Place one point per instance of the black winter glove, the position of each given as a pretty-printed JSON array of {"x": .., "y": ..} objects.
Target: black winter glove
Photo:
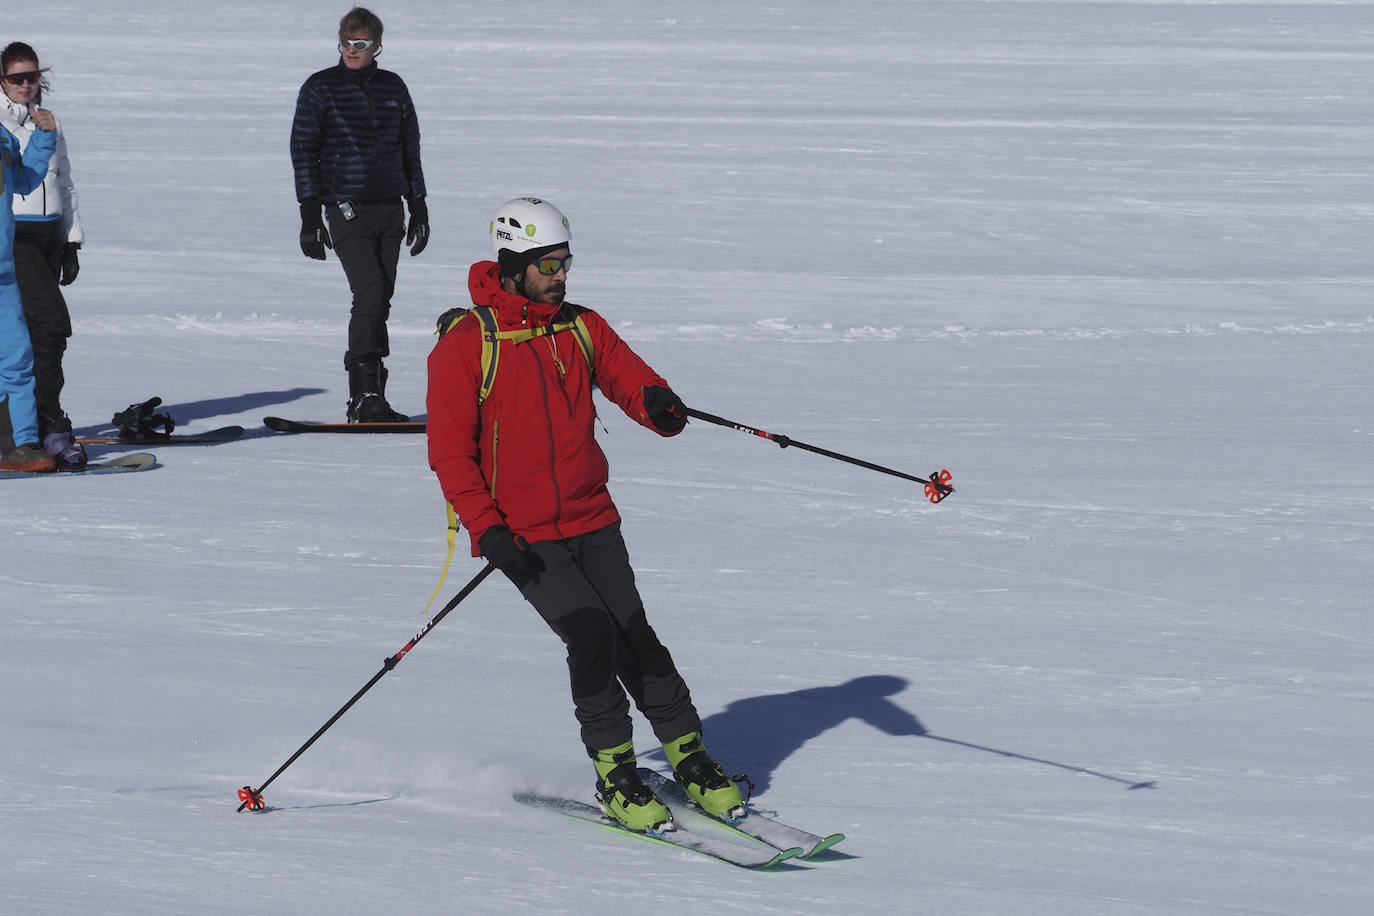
[
  {"x": 314, "y": 237},
  {"x": 71, "y": 264},
  {"x": 666, "y": 410},
  {"x": 511, "y": 554},
  {"x": 417, "y": 233}
]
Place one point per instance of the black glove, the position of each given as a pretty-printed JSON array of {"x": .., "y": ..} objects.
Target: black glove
[
  {"x": 417, "y": 233},
  {"x": 666, "y": 410},
  {"x": 314, "y": 237},
  {"x": 511, "y": 554},
  {"x": 71, "y": 264}
]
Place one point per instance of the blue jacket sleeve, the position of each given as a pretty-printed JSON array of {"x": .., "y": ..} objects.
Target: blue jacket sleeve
[{"x": 34, "y": 164}]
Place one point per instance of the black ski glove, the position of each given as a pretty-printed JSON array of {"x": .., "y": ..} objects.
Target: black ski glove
[
  {"x": 314, "y": 237},
  {"x": 511, "y": 554},
  {"x": 666, "y": 410},
  {"x": 417, "y": 233},
  {"x": 71, "y": 264}
]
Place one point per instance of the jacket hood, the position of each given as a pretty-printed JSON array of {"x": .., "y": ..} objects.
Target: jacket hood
[{"x": 484, "y": 283}]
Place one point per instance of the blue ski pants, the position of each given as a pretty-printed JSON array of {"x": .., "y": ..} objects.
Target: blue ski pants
[{"x": 16, "y": 362}]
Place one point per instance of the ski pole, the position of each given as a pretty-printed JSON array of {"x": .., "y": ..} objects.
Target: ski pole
[
  {"x": 252, "y": 798},
  {"x": 937, "y": 485}
]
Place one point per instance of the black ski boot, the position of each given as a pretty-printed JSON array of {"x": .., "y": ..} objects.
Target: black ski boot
[{"x": 367, "y": 395}]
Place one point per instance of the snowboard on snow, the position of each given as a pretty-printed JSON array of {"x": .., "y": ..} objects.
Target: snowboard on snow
[
  {"x": 124, "y": 464},
  {"x": 298, "y": 426}
]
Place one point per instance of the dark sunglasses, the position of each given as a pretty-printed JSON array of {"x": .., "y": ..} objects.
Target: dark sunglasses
[
  {"x": 29, "y": 76},
  {"x": 358, "y": 44},
  {"x": 550, "y": 266}
]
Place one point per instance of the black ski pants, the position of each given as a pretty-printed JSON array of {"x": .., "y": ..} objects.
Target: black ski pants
[
  {"x": 587, "y": 595},
  {"x": 37, "y": 268},
  {"x": 369, "y": 247}
]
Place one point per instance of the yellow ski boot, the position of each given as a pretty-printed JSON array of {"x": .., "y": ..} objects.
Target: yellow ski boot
[
  {"x": 624, "y": 796},
  {"x": 703, "y": 779}
]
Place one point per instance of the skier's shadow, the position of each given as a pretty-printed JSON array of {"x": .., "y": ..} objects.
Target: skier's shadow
[{"x": 762, "y": 732}]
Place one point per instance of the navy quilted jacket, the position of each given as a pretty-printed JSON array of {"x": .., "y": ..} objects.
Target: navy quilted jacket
[{"x": 356, "y": 138}]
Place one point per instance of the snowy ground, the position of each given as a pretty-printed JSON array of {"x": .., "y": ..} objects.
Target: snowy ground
[{"x": 1107, "y": 262}]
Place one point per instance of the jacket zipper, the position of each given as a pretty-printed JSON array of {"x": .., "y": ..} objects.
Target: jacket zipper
[
  {"x": 495, "y": 439},
  {"x": 553, "y": 459}
]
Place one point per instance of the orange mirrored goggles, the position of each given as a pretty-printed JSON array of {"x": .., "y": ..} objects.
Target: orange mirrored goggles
[{"x": 550, "y": 266}]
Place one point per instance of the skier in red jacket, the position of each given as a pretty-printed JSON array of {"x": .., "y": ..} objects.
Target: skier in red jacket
[{"x": 512, "y": 440}]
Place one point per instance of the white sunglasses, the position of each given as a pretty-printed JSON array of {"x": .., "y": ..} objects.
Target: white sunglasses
[{"x": 358, "y": 44}]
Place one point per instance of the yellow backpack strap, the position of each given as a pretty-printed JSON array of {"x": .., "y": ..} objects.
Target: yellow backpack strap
[
  {"x": 493, "y": 335},
  {"x": 570, "y": 319},
  {"x": 490, "y": 335},
  {"x": 452, "y": 543},
  {"x": 490, "y": 351},
  {"x": 584, "y": 341},
  {"x": 446, "y": 323}
]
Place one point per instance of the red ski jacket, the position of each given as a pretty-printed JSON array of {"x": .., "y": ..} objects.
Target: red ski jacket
[{"x": 528, "y": 457}]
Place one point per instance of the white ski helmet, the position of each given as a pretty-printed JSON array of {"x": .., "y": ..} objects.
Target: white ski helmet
[{"x": 526, "y": 223}]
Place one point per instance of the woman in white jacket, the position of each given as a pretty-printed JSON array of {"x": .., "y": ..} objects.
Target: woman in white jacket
[{"x": 46, "y": 241}]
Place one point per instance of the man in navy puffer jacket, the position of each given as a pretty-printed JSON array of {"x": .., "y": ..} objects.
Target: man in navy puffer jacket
[{"x": 355, "y": 147}]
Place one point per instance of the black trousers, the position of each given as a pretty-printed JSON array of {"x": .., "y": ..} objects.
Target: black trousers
[
  {"x": 37, "y": 268},
  {"x": 587, "y": 595},
  {"x": 369, "y": 247}
]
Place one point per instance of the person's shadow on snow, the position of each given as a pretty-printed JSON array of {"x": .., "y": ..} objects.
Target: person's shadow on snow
[
  {"x": 762, "y": 732},
  {"x": 186, "y": 412}
]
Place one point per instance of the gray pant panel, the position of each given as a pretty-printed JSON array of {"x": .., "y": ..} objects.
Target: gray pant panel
[{"x": 587, "y": 595}]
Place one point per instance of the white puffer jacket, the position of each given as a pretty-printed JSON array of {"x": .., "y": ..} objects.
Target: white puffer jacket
[{"x": 57, "y": 197}]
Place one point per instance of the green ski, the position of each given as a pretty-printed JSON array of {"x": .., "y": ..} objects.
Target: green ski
[
  {"x": 753, "y": 825},
  {"x": 714, "y": 847}
]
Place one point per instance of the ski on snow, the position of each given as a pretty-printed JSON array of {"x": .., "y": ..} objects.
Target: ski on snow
[
  {"x": 296, "y": 426},
  {"x": 754, "y": 825},
  {"x": 717, "y": 848},
  {"x": 124, "y": 464}
]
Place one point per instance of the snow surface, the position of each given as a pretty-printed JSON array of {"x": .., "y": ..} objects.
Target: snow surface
[{"x": 1109, "y": 263}]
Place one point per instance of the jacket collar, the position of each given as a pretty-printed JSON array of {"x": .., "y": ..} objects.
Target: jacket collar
[
  {"x": 484, "y": 283},
  {"x": 13, "y": 111},
  {"x": 366, "y": 73}
]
